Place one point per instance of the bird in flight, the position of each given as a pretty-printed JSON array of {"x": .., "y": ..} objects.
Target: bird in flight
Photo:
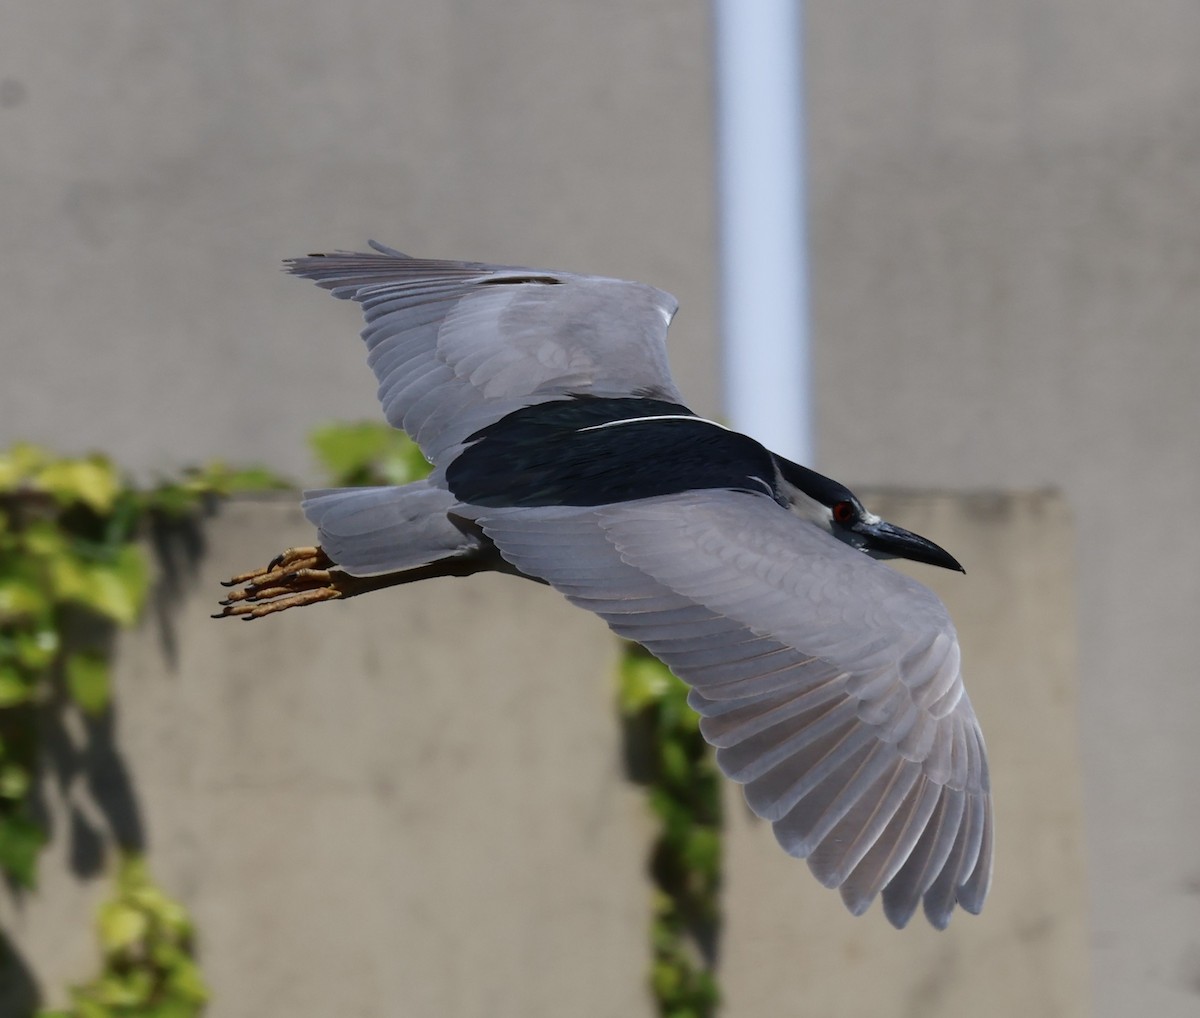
[{"x": 829, "y": 684}]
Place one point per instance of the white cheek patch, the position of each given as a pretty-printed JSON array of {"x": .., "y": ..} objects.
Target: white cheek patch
[{"x": 808, "y": 508}]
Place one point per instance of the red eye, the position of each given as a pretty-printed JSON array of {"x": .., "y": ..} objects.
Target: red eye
[{"x": 843, "y": 513}]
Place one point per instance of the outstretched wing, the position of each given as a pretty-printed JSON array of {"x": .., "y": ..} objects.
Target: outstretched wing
[
  {"x": 828, "y": 682},
  {"x": 457, "y": 345}
]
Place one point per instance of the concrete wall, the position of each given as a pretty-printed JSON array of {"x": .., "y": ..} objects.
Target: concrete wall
[
  {"x": 1006, "y": 292},
  {"x": 160, "y": 158},
  {"x": 414, "y": 803},
  {"x": 1004, "y": 201}
]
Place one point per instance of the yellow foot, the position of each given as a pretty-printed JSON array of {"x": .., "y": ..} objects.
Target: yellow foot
[
  {"x": 298, "y": 577},
  {"x": 285, "y": 562}
]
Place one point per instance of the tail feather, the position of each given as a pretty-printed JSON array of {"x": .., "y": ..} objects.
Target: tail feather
[{"x": 371, "y": 531}]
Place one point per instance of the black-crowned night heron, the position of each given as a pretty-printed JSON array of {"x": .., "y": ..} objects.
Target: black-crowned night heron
[{"x": 829, "y": 684}]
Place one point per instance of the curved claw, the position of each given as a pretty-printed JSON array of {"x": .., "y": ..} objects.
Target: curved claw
[
  {"x": 292, "y": 559},
  {"x": 294, "y": 578},
  {"x": 254, "y": 609}
]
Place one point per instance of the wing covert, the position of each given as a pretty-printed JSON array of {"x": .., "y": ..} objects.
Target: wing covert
[{"x": 457, "y": 345}]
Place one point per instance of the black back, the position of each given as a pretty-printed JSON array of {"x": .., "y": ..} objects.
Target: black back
[{"x": 541, "y": 455}]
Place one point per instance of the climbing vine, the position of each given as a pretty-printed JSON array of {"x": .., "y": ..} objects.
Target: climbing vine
[
  {"x": 366, "y": 453},
  {"x": 73, "y": 566},
  {"x": 685, "y": 794},
  {"x": 149, "y": 969}
]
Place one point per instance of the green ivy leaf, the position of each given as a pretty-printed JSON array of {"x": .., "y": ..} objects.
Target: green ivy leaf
[
  {"x": 345, "y": 449},
  {"x": 129, "y": 989},
  {"x": 21, "y": 597},
  {"x": 174, "y": 1009},
  {"x": 175, "y": 500},
  {"x": 167, "y": 914},
  {"x": 93, "y": 481},
  {"x": 666, "y": 979},
  {"x": 35, "y": 649},
  {"x": 186, "y": 982},
  {"x": 367, "y": 452},
  {"x": 673, "y": 814},
  {"x": 14, "y": 780},
  {"x": 702, "y": 851},
  {"x": 85, "y": 1008},
  {"x": 87, "y": 681},
  {"x": 20, "y": 841},
  {"x": 674, "y": 762},
  {"x": 114, "y": 589},
  {"x": 109, "y": 595},
  {"x": 44, "y": 538},
  {"x": 133, "y": 574},
  {"x": 121, "y": 926},
  {"x": 18, "y": 464},
  {"x": 247, "y": 479},
  {"x": 15, "y": 686},
  {"x": 641, "y": 681},
  {"x": 69, "y": 578}
]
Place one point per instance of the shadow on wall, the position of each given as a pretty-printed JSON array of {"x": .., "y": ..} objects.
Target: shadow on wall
[
  {"x": 80, "y": 765},
  {"x": 19, "y": 995}
]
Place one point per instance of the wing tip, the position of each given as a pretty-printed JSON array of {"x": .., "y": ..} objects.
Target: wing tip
[
  {"x": 899, "y": 910},
  {"x": 317, "y": 263},
  {"x": 383, "y": 249},
  {"x": 855, "y": 901}
]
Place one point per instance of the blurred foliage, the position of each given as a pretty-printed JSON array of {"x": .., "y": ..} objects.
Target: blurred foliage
[
  {"x": 69, "y": 554},
  {"x": 367, "y": 453},
  {"x": 73, "y": 566},
  {"x": 685, "y": 795},
  {"x": 72, "y": 555},
  {"x": 148, "y": 966}
]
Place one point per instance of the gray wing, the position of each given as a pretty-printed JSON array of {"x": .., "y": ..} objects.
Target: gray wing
[
  {"x": 828, "y": 682},
  {"x": 457, "y": 345}
]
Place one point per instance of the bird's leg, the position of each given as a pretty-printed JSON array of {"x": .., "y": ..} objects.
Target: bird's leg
[
  {"x": 297, "y": 577},
  {"x": 301, "y": 576}
]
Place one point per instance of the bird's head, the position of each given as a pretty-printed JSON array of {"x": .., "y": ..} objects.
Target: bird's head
[{"x": 835, "y": 508}]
